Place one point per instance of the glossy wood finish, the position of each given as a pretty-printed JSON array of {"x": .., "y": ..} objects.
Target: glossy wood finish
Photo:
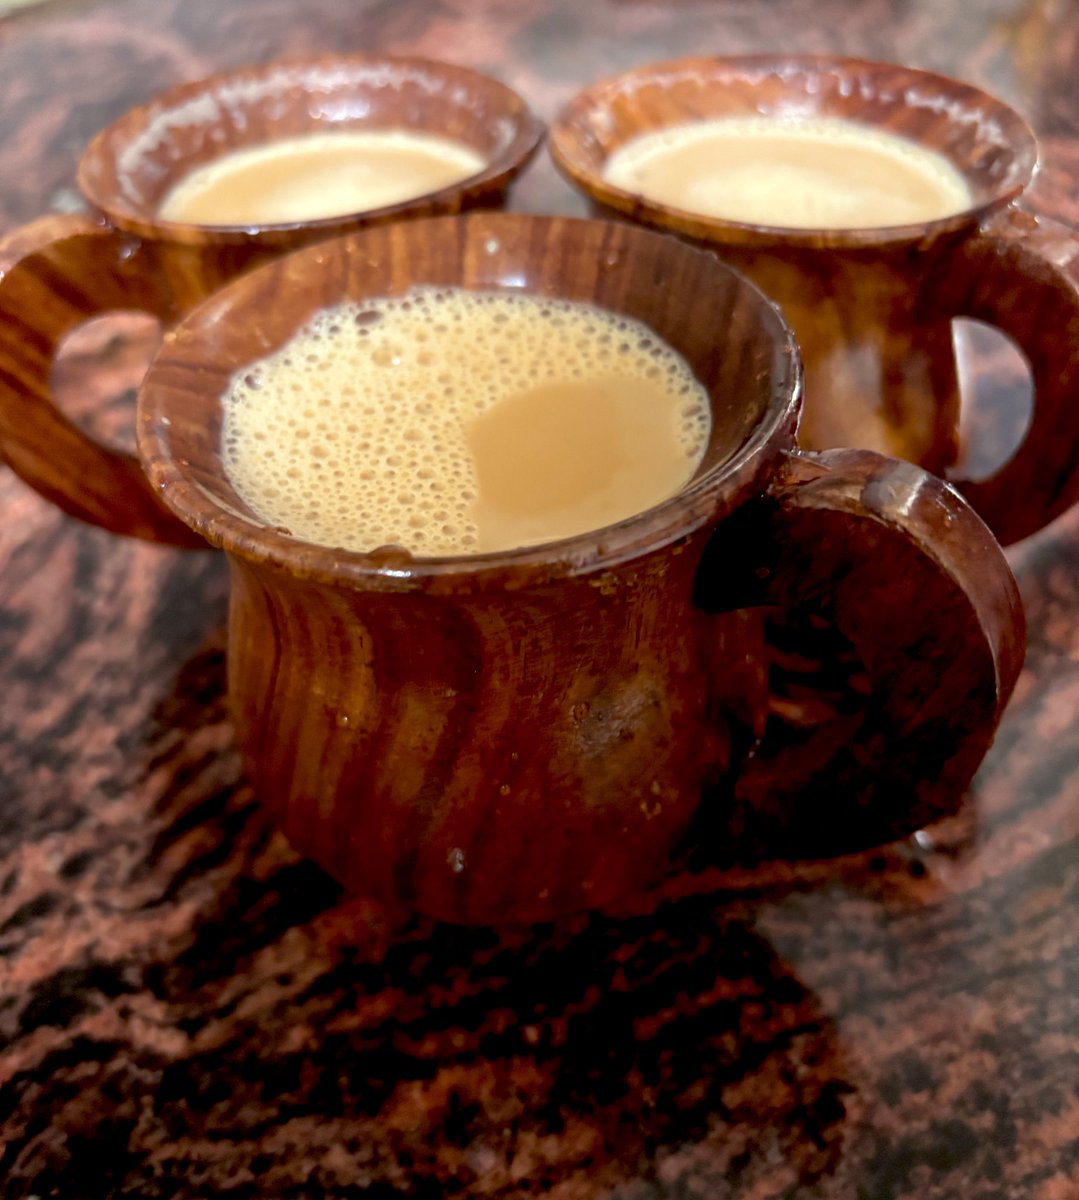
[
  {"x": 872, "y": 308},
  {"x": 58, "y": 272},
  {"x": 907, "y": 573},
  {"x": 53, "y": 275},
  {"x": 191, "y": 1007},
  {"x": 518, "y": 736},
  {"x": 131, "y": 166}
]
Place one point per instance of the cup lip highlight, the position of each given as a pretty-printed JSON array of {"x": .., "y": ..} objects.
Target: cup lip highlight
[
  {"x": 579, "y": 117},
  {"x": 101, "y": 169},
  {"x": 703, "y": 500}
]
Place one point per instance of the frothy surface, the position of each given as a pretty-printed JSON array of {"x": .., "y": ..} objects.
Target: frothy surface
[
  {"x": 453, "y": 422},
  {"x": 318, "y": 175},
  {"x": 822, "y": 173}
]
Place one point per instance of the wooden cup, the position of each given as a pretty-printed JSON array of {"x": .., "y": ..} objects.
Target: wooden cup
[
  {"x": 506, "y": 737},
  {"x": 871, "y": 308},
  {"x": 61, "y": 271}
]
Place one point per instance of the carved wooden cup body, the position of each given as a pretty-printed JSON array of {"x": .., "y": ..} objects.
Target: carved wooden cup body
[
  {"x": 506, "y": 737},
  {"x": 61, "y": 271},
  {"x": 871, "y": 308}
]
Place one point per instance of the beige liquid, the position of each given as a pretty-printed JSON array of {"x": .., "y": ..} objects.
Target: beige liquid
[
  {"x": 452, "y": 422},
  {"x": 820, "y": 173},
  {"x": 318, "y": 175}
]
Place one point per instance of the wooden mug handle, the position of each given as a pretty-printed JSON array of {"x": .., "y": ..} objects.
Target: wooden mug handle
[
  {"x": 1020, "y": 273},
  {"x": 55, "y": 274},
  {"x": 915, "y": 581}
]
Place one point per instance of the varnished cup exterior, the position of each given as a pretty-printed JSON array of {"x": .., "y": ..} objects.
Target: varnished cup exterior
[
  {"x": 871, "y": 308},
  {"x": 60, "y": 271},
  {"x": 507, "y": 737}
]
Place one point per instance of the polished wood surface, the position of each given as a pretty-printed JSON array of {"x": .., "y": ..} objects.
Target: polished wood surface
[
  {"x": 131, "y": 166},
  {"x": 58, "y": 272},
  {"x": 872, "y": 308},
  {"x": 190, "y": 1009},
  {"x": 518, "y": 737}
]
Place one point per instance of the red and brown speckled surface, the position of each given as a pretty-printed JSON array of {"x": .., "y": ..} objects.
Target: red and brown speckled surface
[{"x": 188, "y": 1009}]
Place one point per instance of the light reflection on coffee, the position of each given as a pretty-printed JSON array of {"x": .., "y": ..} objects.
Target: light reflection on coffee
[
  {"x": 818, "y": 173},
  {"x": 318, "y": 175},
  {"x": 453, "y": 422}
]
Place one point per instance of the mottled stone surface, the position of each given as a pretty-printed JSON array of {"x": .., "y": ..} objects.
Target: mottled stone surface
[{"x": 187, "y": 1009}]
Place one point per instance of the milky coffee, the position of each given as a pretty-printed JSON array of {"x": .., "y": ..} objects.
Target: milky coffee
[
  {"x": 318, "y": 175},
  {"x": 453, "y": 422},
  {"x": 819, "y": 173}
]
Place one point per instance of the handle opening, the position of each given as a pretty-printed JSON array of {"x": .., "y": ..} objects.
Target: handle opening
[
  {"x": 97, "y": 371},
  {"x": 996, "y": 402}
]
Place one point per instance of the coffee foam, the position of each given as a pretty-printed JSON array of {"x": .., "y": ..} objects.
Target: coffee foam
[
  {"x": 787, "y": 172},
  {"x": 354, "y": 434}
]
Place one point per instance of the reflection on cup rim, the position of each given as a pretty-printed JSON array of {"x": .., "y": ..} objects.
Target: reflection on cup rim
[
  {"x": 998, "y": 163},
  {"x": 127, "y": 167},
  {"x": 183, "y": 483}
]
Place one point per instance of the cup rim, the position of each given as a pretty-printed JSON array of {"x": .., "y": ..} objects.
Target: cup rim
[
  {"x": 563, "y": 147},
  {"x": 108, "y": 143},
  {"x": 721, "y": 488}
]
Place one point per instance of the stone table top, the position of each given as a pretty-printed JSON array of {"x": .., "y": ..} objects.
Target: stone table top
[{"x": 188, "y": 1009}]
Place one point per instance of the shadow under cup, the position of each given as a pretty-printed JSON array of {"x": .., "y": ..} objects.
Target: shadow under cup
[{"x": 507, "y": 737}]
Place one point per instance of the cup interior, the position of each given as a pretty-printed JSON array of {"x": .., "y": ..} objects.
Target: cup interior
[
  {"x": 131, "y": 166},
  {"x": 989, "y": 143},
  {"x": 733, "y": 338}
]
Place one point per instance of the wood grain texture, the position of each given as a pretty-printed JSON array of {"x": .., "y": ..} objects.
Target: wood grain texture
[
  {"x": 188, "y": 1009},
  {"x": 54, "y": 273},
  {"x": 59, "y": 272},
  {"x": 520, "y": 736},
  {"x": 872, "y": 307},
  {"x": 906, "y": 573},
  {"x": 130, "y": 167}
]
